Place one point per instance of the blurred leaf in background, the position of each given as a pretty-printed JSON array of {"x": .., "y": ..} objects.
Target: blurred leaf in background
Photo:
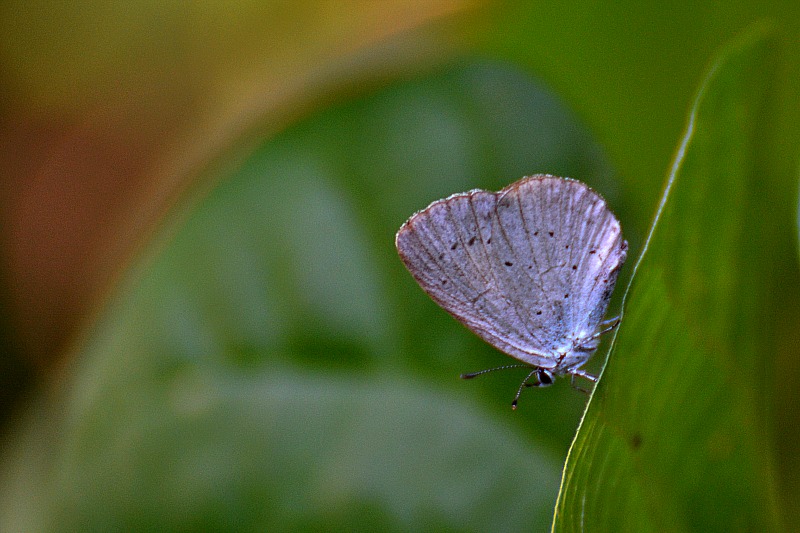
[
  {"x": 277, "y": 354},
  {"x": 265, "y": 361},
  {"x": 111, "y": 110}
]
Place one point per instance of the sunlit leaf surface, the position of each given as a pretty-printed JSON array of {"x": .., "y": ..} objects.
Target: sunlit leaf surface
[{"x": 674, "y": 438}]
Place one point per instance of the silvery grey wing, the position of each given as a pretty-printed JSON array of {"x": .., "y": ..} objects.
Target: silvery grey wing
[
  {"x": 529, "y": 269},
  {"x": 573, "y": 247},
  {"x": 451, "y": 249}
]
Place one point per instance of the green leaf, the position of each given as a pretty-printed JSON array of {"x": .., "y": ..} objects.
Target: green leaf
[
  {"x": 272, "y": 366},
  {"x": 675, "y": 437}
]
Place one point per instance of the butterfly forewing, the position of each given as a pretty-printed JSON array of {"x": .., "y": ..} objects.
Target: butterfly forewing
[{"x": 447, "y": 248}]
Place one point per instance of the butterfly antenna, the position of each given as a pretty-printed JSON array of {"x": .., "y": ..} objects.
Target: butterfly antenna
[
  {"x": 481, "y": 372},
  {"x": 522, "y": 386}
]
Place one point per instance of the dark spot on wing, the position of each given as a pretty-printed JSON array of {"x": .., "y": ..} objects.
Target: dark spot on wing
[
  {"x": 471, "y": 241},
  {"x": 489, "y": 240},
  {"x": 535, "y": 233},
  {"x": 566, "y": 296},
  {"x": 592, "y": 251},
  {"x": 444, "y": 282},
  {"x": 509, "y": 263},
  {"x": 454, "y": 245},
  {"x": 550, "y": 233},
  {"x": 574, "y": 267},
  {"x": 441, "y": 256},
  {"x": 538, "y": 312}
]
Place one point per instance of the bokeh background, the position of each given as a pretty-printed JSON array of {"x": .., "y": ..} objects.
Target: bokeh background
[{"x": 204, "y": 321}]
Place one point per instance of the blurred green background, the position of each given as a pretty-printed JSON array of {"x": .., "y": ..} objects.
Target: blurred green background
[{"x": 205, "y": 323}]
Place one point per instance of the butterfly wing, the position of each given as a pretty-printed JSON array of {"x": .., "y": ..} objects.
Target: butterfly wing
[
  {"x": 500, "y": 262},
  {"x": 571, "y": 232}
]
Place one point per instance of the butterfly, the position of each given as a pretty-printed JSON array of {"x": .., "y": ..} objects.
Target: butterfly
[{"x": 530, "y": 269}]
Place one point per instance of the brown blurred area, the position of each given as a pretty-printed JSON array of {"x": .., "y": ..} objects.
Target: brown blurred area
[{"x": 109, "y": 112}]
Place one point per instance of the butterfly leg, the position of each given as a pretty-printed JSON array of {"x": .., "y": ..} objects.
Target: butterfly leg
[
  {"x": 584, "y": 374},
  {"x": 606, "y": 326}
]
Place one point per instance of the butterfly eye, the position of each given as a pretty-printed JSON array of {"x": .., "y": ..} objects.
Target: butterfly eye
[{"x": 545, "y": 377}]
